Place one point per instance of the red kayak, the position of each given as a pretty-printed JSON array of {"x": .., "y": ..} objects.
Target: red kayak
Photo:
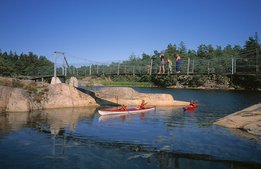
[{"x": 191, "y": 107}]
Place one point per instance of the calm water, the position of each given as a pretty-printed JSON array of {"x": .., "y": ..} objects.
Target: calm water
[{"x": 165, "y": 138}]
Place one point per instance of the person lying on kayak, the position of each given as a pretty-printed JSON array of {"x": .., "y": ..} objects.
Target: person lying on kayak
[{"x": 143, "y": 104}]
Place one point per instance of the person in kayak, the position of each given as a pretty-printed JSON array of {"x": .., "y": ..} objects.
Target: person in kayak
[
  {"x": 143, "y": 104},
  {"x": 123, "y": 107},
  {"x": 192, "y": 103}
]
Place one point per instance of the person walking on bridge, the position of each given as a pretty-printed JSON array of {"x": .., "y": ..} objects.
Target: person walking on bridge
[
  {"x": 178, "y": 63},
  {"x": 162, "y": 62},
  {"x": 169, "y": 62}
]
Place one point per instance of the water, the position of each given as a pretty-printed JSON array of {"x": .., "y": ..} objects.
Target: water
[{"x": 165, "y": 138}]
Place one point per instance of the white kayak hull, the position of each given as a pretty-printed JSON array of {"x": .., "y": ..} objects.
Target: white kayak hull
[{"x": 130, "y": 111}]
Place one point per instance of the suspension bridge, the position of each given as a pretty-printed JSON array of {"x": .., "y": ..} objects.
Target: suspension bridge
[{"x": 189, "y": 66}]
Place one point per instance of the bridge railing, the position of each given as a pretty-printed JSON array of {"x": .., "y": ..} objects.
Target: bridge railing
[
  {"x": 228, "y": 65},
  {"x": 225, "y": 66}
]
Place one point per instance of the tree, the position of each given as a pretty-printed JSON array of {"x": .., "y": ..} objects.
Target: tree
[
  {"x": 145, "y": 58},
  {"x": 192, "y": 53},
  {"x": 182, "y": 48},
  {"x": 170, "y": 51},
  {"x": 202, "y": 51},
  {"x": 251, "y": 48},
  {"x": 228, "y": 51},
  {"x": 217, "y": 52}
]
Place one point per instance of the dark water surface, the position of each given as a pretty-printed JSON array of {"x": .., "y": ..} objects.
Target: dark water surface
[{"x": 165, "y": 138}]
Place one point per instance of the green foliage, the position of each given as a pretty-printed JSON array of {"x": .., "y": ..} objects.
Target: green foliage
[
  {"x": 182, "y": 48},
  {"x": 247, "y": 82},
  {"x": 128, "y": 78},
  {"x": 197, "y": 80},
  {"x": 145, "y": 78},
  {"x": 221, "y": 80},
  {"x": 163, "y": 81},
  {"x": 192, "y": 80},
  {"x": 24, "y": 65},
  {"x": 170, "y": 51},
  {"x": 130, "y": 84}
]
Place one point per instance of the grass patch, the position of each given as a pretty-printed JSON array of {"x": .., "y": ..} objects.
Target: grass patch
[{"x": 129, "y": 84}]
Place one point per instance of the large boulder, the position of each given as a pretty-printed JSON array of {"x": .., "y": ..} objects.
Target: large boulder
[
  {"x": 248, "y": 119},
  {"x": 128, "y": 96},
  {"x": 16, "y": 99},
  {"x": 62, "y": 95}
]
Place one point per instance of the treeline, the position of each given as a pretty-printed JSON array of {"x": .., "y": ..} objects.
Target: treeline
[
  {"x": 250, "y": 50},
  {"x": 29, "y": 64}
]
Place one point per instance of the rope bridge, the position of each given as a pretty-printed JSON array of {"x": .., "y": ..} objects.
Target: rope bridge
[{"x": 189, "y": 66}]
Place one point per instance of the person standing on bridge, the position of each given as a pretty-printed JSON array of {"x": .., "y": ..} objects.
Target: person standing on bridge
[
  {"x": 162, "y": 62},
  {"x": 169, "y": 62},
  {"x": 178, "y": 63}
]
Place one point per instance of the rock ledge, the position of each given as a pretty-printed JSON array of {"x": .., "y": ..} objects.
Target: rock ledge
[{"x": 248, "y": 119}]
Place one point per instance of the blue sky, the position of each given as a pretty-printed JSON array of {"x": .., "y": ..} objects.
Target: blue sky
[{"x": 111, "y": 30}]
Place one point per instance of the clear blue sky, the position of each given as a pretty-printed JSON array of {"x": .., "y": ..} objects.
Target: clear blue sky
[{"x": 106, "y": 30}]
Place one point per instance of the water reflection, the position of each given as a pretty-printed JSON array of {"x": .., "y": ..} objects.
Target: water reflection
[
  {"x": 80, "y": 138},
  {"x": 124, "y": 155},
  {"x": 52, "y": 120},
  {"x": 12, "y": 121}
]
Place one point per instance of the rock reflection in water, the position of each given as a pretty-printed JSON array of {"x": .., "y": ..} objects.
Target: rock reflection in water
[
  {"x": 51, "y": 120},
  {"x": 57, "y": 119},
  {"x": 13, "y": 121}
]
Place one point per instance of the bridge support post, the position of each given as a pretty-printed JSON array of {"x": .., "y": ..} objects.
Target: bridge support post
[
  {"x": 235, "y": 65},
  {"x": 188, "y": 66},
  {"x": 74, "y": 82},
  {"x": 63, "y": 68},
  {"x": 54, "y": 71},
  {"x": 55, "y": 80},
  {"x": 232, "y": 65},
  {"x": 257, "y": 62},
  {"x": 90, "y": 70},
  {"x": 151, "y": 66},
  {"x": 208, "y": 67},
  {"x": 118, "y": 72},
  {"x": 193, "y": 66}
]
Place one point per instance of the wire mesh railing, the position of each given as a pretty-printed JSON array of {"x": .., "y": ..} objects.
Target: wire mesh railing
[
  {"x": 222, "y": 66},
  {"x": 231, "y": 65}
]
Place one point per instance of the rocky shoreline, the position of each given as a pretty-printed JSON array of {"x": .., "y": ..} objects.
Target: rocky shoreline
[
  {"x": 56, "y": 96},
  {"x": 248, "y": 119},
  {"x": 21, "y": 96}
]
